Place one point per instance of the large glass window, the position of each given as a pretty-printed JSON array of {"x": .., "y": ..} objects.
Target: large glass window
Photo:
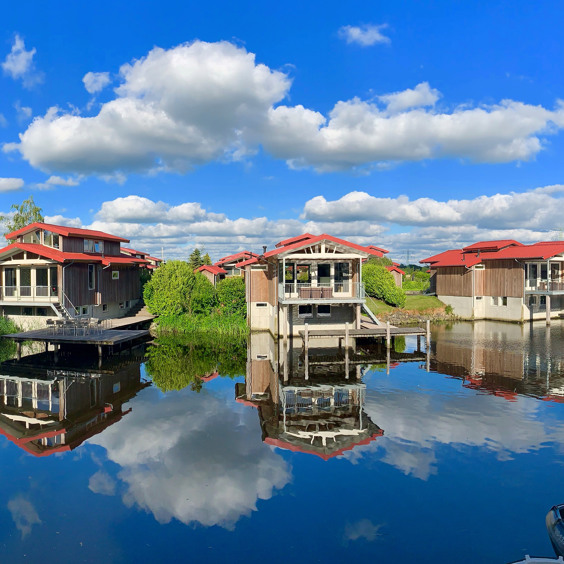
[
  {"x": 91, "y": 246},
  {"x": 51, "y": 239},
  {"x": 303, "y": 273},
  {"x": 54, "y": 282},
  {"x": 25, "y": 281},
  {"x": 342, "y": 276},
  {"x": 324, "y": 274},
  {"x": 41, "y": 282}
]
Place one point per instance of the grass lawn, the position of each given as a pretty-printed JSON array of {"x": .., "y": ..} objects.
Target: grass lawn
[
  {"x": 422, "y": 302},
  {"x": 412, "y": 303}
]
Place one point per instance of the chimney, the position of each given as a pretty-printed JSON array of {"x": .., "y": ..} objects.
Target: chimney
[{"x": 264, "y": 249}]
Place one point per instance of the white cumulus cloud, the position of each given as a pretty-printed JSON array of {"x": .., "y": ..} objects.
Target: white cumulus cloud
[
  {"x": 201, "y": 102},
  {"x": 95, "y": 82},
  {"x": 10, "y": 184},
  {"x": 19, "y": 64},
  {"x": 364, "y": 35}
]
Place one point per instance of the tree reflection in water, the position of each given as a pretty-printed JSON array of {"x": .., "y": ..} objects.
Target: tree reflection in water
[{"x": 177, "y": 361}]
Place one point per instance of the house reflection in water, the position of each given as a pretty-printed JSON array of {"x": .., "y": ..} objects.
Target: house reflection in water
[
  {"x": 322, "y": 415},
  {"x": 44, "y": 411},
  {"x": 502, "y": 359}
]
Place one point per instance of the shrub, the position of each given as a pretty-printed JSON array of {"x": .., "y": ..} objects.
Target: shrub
[
  {"x": 231, "y": 296},
  {"x": 203, "y": 297},
  {"x": 379, "y": 283},
  {"x": 169, "y": 289}
]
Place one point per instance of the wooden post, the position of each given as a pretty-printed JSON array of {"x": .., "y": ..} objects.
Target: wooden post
[
  {"x": 346, "y": 336},
  {"x": 418, "y": 343},
  {"x": 388, "y": 340},
  {"x": 428, "y": 336},
  {"x": 306, "y": 350},
  {"x": 346, "y": 363},
  {"x": 19, "y": 350},
  {"x": 388, "y": 361},
  {"x": 358, "y": 316},
  {"x": 548, "y": 310}
]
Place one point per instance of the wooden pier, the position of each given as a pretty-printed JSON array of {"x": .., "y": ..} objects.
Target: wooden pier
[
  {"x": 386, "y": 333},
  {"x": 108, "y": 338}
]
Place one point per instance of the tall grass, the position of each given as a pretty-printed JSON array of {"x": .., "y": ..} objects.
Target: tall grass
[
  {"x": 187, "y": 324},
  {"x": 7, "y": 346}
]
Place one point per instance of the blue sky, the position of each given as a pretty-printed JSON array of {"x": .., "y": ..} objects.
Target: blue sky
[{"x": 416, "y": 126}]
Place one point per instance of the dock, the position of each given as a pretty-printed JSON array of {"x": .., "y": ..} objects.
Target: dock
[
  {"x": 108, "y": 338},
  {"x": 349, "y": 335}
]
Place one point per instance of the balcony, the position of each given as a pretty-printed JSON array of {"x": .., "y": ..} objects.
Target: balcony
[
  {"x": 544, "y": 286},
  {"x": 338, "y": 292},
  {"x": 40, "y": 294}
]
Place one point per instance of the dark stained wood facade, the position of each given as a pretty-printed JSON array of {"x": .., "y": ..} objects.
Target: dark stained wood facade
[{"x": 76, "y": 245}]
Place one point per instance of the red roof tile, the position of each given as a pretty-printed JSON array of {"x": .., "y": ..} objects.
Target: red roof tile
[
  {"x": 492, "y": 245},
  {"x": 231, "y": 258},
  {"x": 66, "y": 231},
  {"x": 293, "y": 240},
  {"x": 211, "y": 268},
  {"x": 61, "y": 257}
]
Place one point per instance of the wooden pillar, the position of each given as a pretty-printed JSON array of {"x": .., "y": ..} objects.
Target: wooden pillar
[
  {"x": 306, "y": 351},
  {"x": 548, "y": 310},
  {"x": 388, "y": 340},
  {"x": 388, "y": 361},
  {"x": 418, "y": 343},
  {"x": 19, "y": 350},
  {"x": 346, "y": 363},
  {"x": 346, "y": 336},
  {"x": 46, "y": 346},
  {"x": 428, "y": 335},
  {"x": 358, "y": 316}
]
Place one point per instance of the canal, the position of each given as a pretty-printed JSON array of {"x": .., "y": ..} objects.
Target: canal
[{"x": 201, "y": 452}]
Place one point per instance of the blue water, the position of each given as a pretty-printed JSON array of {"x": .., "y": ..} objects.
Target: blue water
[{"x": 465, "y": 471}]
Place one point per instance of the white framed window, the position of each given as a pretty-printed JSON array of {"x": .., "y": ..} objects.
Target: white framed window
[
  {"x": 305, "y": 310},
  {"x": 93, "y": 246}
]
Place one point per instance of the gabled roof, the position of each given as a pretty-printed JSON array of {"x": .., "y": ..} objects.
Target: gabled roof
[
  {"x": 307, "y": 240},
  {"x": 517, "y": 251},
  {"x": 66, "y": 232},
  {"x": 492, "y": 245},
  {"x": 61, "y": 257},
  {"x": 243, "y": 255},
  {"x": 379, "y": 249},
  {"x": 395, "y": 268},
  {"x": 133, "y": 252},
  {"x": 293, "y": 240},
  {"x": 211, "y": 268}
]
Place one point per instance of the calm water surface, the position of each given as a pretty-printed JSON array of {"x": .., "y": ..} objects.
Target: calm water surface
[{"x": 454, "y": 456}]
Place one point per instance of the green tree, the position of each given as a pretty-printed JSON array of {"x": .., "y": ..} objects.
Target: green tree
[
  {"x": 231, "y": 296},
  {"x": 203, "y": 297},
  {"x": 206, "y": 259},
  {"x": 24, "y": 214},
  {"x": 195, "y": 259},
  {"x": 169, "y": 289},
  {"x": 379, "y": 283},
  {"x": 382, "y": 261}
]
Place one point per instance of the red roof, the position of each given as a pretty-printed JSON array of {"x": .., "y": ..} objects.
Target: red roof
[
  {"x": 395, "y": 268},
  {"x": 379, "y": 249},
  {"x": 293, "y": 240},
  {"x": 133, "y": 252},
  {"x": 211, "y": 268},
  {"x": 244, "y": 255},
  {"x": 492, "y": 245},
  {"x": 60, "y": 256},
  {"x": 305, "y": 240},
  {"x": 464, "y": 257},
  {"x": 66, "y": 232}
]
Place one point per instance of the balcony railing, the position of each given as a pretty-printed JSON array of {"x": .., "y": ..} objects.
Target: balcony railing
[
  {"x": 336, "y": 291},
  {"x": 544, "y": 285},
  {"x": 30, "y": 293}
]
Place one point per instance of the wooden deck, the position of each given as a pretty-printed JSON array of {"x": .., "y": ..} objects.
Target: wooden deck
[
  {"x": 107, "y": 337},
  {"x": 380, "y": 332}
]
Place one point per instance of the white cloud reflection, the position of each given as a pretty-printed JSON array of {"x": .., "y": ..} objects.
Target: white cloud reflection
[{"x": 192, "y": 458}]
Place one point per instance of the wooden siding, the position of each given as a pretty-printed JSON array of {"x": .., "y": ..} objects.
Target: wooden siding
[
  {"x": 127, "y": 287},
  {"x": 454, "y": 281},
  {"x": 262, "y": 285},
  {"x": 503, "y": 278},
  {"x": 76, "y": 245}
]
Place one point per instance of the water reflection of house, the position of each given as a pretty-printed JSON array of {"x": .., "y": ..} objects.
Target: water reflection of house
[
  {"x": 47, "y": 411},
  {"x": 499, "y": 358},
  {"x": 323, "y": 415}
]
